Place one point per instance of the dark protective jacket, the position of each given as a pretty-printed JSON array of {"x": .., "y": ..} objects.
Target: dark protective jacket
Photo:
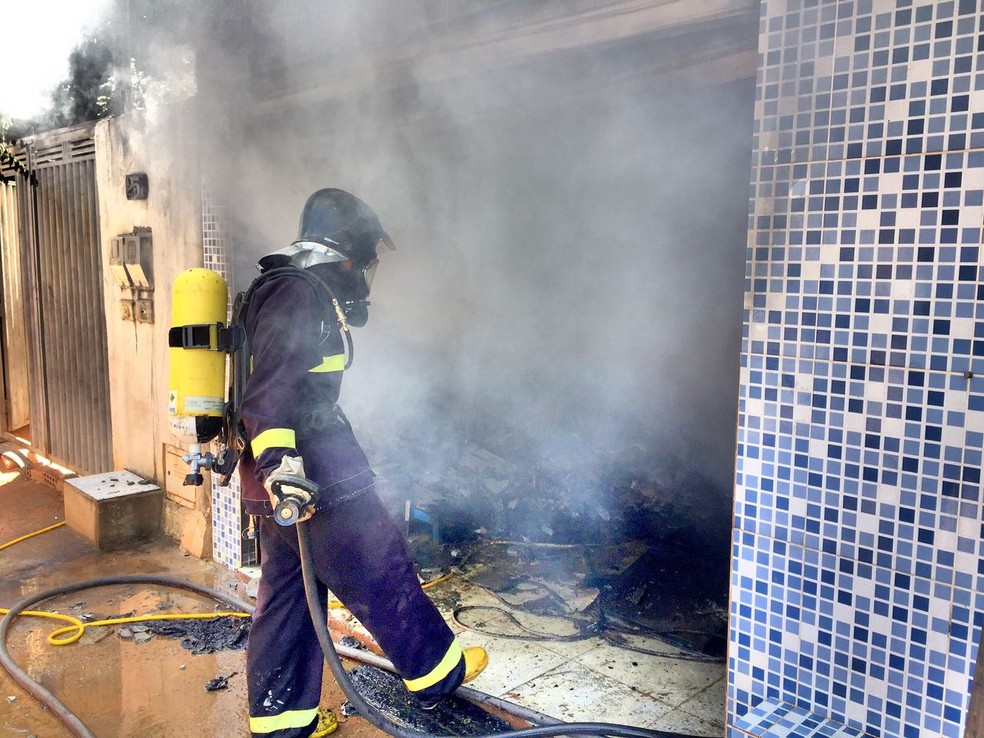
[
  {"x": 289, "y": 404},
  {"x": 357, "y": 550}
]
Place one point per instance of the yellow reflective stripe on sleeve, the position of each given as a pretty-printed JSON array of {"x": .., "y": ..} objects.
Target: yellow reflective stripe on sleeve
[
  {"x": 289, "y": 719},
  {"x": 334, "y": 363},
  {"x": 450, "y": 660},
  {"x": 271, "y": 438}
]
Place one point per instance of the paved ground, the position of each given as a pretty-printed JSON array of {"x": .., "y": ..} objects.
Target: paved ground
[
  {"x": 116, "y": 687},
  {"x": 119, "y": 688}
]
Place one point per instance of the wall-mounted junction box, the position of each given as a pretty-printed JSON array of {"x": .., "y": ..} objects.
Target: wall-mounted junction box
[
  {"x": 131, "y": 258},
  {"x": 135, "y": 252},
  {"x": 145, "y": 310}
]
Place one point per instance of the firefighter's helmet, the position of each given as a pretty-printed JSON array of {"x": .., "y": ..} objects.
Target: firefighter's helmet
[{"x": 335, "y": 226}]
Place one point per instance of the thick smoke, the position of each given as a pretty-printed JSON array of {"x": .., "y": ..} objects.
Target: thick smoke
[{"x": 570, "y": 223}]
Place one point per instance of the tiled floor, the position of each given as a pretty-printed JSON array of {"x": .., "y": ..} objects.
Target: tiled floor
[{"x": 587, "y": 680}]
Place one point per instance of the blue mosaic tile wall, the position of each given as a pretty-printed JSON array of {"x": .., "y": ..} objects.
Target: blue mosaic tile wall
[
  {"x": 227, "y": 518},
  {"x": 773, "y": 719},
  {"x": 858, "y": 562}
]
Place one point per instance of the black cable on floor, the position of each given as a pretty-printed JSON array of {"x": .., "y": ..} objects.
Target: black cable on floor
[{"x": 320, "y": 619}]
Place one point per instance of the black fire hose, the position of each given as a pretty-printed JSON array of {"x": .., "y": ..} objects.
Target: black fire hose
[{"x": 320, "y": 619}]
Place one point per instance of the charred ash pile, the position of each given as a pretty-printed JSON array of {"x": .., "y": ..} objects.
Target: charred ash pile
[{"x": 652, "y": 538}]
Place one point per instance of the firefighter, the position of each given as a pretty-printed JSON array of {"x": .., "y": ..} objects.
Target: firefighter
[{"x": 300, "y": 447}]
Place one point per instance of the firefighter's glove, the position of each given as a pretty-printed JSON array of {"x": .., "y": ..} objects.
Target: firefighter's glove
[{"x": 291, "y": 493}]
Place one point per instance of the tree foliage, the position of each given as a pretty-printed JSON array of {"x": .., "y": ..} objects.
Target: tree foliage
[
  {"x": 77, "y": 99},
  {"x": 111, "y": 69},
  {"x": 11, "y": 162}
]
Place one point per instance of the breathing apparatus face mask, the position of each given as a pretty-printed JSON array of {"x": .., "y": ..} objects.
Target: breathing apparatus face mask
[
  {"x": 349, "y": 282},
  {"x": 350, "y": 285}
]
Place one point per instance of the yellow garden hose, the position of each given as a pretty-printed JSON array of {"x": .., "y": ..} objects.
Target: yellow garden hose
[
  {"x": 434, "y": 582},
  {"x": 55, "y": 706},
  {"x": 56, "y": 638},
  {"x": 31, "y": 535},
  {"x": 76, "y": 628}
]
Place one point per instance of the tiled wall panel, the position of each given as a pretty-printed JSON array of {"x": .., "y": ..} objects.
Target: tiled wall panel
[
  {"x": 858, "y": 577},
  {"x": 227, "y": 517}
]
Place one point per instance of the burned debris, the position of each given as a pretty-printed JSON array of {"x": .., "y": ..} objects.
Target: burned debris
[
  {"x": 453, "y": 716},
  {"x": 224, "y": 633},
  {"x": 621, "y": 545}
]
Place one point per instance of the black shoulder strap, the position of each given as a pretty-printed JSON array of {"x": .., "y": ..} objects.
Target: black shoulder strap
[{"x": 232, "y": 437}]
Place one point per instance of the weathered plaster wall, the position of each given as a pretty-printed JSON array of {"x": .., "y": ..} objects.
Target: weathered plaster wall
[{"x": 163, "y": 146}]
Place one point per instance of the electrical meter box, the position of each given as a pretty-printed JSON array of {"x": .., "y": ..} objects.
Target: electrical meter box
[
  {"x": 135, "y": 252},
  {"x": 116, "y": 262}
]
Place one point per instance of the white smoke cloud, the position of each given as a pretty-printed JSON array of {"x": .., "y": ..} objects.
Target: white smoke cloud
[
  {"x": 570, "y": 223},
  {"x": 569, "y": 250}
]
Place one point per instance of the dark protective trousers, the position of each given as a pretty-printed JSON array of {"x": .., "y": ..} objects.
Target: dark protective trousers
[{"x": 359, "y": 554}]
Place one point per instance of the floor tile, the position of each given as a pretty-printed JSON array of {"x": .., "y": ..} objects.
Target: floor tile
[
  {"x": 668, "y": 679},
  {"x": 511, "y": 663},
  {"x": 710, "y": 704},
  {"x": 678, "y": 721},
  {"x": 562, "y": 693},
  {"x": 575, "y": 649}
]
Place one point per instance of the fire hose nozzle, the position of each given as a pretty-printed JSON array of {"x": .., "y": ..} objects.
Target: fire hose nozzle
[
  {"x": 294, "y": 494},
  {"x": 287, "y": 511}
]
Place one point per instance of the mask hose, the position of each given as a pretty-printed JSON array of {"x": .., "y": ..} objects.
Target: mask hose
[
  {"x": 320, "y": 619},
  {"x": 343, "y": 325}
]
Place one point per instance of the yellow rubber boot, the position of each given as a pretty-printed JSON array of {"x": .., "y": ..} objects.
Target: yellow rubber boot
[
  {"x": 327, "y": 723},
  {"x": 476, "y": 659}
]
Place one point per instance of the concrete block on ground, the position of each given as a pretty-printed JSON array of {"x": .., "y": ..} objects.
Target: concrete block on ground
[{"x": 114, "y": 509}]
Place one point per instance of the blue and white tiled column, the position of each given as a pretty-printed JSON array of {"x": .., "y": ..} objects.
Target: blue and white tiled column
[
  {"x": 227, "y": 517},
  {"x": 857, "y": 593}
]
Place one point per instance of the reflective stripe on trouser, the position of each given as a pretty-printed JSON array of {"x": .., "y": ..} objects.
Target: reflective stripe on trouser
[
  {"x": 276, "y": 724},
  {"x": 360, "y": 554},
  {"x": 453, "y": 658}
]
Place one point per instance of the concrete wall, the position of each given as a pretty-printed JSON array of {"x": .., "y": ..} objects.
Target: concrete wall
[
  {"x": 164, "y": 146},
  {"x": 857, "y": 587}
]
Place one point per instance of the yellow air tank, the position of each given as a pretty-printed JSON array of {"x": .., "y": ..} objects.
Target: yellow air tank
[{"x": 196, "y": 400}]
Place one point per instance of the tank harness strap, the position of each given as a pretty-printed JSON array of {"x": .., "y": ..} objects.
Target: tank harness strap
[
  {"x": 210, "y": 336},
  {"x": 234, "y": 341}
]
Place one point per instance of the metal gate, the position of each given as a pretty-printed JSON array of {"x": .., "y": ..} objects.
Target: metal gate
[
  {"x": 63, "y": 290},
  {"x": 16, "y": 414}
]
